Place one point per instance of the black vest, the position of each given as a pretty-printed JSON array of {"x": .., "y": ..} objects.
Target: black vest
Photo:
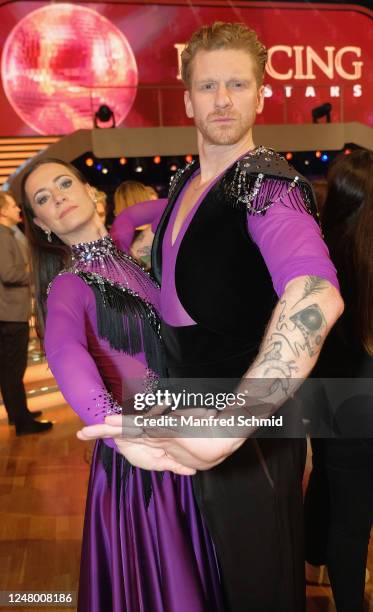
[{"x": 221, "y": 279}]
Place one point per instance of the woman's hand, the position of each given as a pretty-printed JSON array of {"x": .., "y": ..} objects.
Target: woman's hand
[{"x": 144, "y": 456}]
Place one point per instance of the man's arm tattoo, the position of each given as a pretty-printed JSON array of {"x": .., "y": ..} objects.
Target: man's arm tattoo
[{"x": 313, "y": 286}]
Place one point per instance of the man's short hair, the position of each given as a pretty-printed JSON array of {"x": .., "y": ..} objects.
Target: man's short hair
[{"x": 222, "y": 35}]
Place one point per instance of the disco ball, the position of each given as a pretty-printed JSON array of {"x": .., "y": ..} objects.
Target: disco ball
[{"x": 61, "y": 63}]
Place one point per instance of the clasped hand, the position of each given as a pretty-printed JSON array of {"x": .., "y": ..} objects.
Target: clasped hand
[{"x": 163, "y": 448}]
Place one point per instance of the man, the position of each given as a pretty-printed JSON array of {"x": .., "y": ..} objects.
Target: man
[
  {"x": 15, "y": 307},
  {"x": 239, "y": 225}
]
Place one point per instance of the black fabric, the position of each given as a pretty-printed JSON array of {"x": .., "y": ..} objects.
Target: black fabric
[
  {"x": 14, "y": 338},
  {"x": 129, "y": 323},
  {"x": 252, "y": 503},
  {"x": 339, "y": 515},
  {"x": 225, "y": 301}
]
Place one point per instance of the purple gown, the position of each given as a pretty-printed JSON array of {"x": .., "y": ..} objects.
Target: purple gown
[{"x": 145, "y": 545}]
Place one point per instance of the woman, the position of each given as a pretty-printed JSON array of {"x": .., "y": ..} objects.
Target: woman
[
  {"x": 133, "y": 202},
  {"x": 131, "y": 192},
  {"x": 339, "y": 500},
  {"x": 145, "y": 546},
  {"x": 101, "y": 204}
]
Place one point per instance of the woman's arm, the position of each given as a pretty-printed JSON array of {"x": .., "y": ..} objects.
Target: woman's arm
[
  {"x": 77, "y": 374},
  {"x": 144, "y": 213},
  {"x": 67, "y": 351}
]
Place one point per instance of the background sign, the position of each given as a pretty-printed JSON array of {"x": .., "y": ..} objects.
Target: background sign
[{"x": 60, "y": 62}]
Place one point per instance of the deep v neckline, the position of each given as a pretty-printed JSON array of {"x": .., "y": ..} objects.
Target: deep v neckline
[
  {"x": 174, "y": 241},
  {"x": 174, "y": 217}
]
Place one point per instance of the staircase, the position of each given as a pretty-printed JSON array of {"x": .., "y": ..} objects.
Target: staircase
[{"x": 16, "y": 151}]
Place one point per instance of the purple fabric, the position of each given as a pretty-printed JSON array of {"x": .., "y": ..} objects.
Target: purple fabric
[
  {"x": 145, "y": 559},
  {"x": 135, "y": 558},
  {"x": 84, "y": 365},
  {"x": 124, "y": 226},
  {"x": 289, "y": 239}
]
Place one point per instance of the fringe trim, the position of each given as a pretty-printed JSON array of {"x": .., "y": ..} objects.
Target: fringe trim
[
  {"x": 255, "y": 195},
  {"x": 129, "y": 323},
  {"x": 256, "y": 182}
]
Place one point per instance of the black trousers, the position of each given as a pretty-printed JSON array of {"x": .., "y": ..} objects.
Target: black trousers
[
  {"x": 14, "y": 338},
  {"x": 253, "y": 506},
  {"x": 339, "y": 515}
]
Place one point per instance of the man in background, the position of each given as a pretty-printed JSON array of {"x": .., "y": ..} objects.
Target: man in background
[{"x": 15, "y": 310}]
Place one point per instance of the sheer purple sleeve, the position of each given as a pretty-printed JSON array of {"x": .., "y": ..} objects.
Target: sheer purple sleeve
[
  {"x": 289, "y": 238},
  {"x": 124, "y": 226},
  {"x": 67, "y": 350}
]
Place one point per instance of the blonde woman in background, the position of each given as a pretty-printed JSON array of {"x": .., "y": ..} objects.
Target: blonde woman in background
[
  {"x": 131, "y": 192},
  {"x": 128, "y": 195},
  {"x": 101, "y": 205}
]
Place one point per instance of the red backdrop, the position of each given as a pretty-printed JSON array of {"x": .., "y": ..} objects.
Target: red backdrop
[{"x": 319, "y": 54}]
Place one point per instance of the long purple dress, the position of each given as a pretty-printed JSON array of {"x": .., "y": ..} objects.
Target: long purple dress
[{"x": 145, "y": 544}]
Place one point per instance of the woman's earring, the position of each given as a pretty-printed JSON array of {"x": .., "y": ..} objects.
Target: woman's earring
[
  {"x": 49, "y": 235},
  {"x": 95, "y": 201}
]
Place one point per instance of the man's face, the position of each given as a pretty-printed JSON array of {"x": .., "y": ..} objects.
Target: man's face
[
  {"x": 11, "y": 211},
  {"x": 224, "y": 97}
]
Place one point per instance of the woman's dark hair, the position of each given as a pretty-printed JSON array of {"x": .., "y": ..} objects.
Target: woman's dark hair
[
  {"x": 347, "y": 219},
  {"x": 47, "y": 258}
]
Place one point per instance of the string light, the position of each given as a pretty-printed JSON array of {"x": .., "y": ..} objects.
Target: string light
[
  {"x": 105, "y": 170},
  {"x": 173, "y": 167},
  {"x": 89, "y": 162},
  {"x": 289, "y": 156},
  {"x": 306, "y": 162},
  {"x": 123, "y": 161},
  {"x": 157, "y": 159},
  {"x": 324, "y": 157},
  {"x": 318, "y": 154},
  {"x": 189, "y": 158},
  {"x": 139, "y": 168},
  {"x": 99, "y": 166},
  {"x": 347, "y": 151}
]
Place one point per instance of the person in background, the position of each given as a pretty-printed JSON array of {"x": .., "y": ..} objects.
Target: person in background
[
  {"x": 15, "y": 310},
  {"x": 101, "y": 204},
  {"x": 339, "y": 498},
  {"x": 131, "y": 192},
  {"x": 138, "y": 216}
]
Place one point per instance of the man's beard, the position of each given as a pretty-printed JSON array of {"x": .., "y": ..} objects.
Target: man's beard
[{"x": 223, "y": 134}]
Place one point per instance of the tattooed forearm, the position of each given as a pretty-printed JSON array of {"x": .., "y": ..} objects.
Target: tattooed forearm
[{"x": 293, "y": 339}]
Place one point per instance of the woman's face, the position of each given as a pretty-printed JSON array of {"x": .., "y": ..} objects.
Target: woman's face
[{"x": 61, "y": 203}]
